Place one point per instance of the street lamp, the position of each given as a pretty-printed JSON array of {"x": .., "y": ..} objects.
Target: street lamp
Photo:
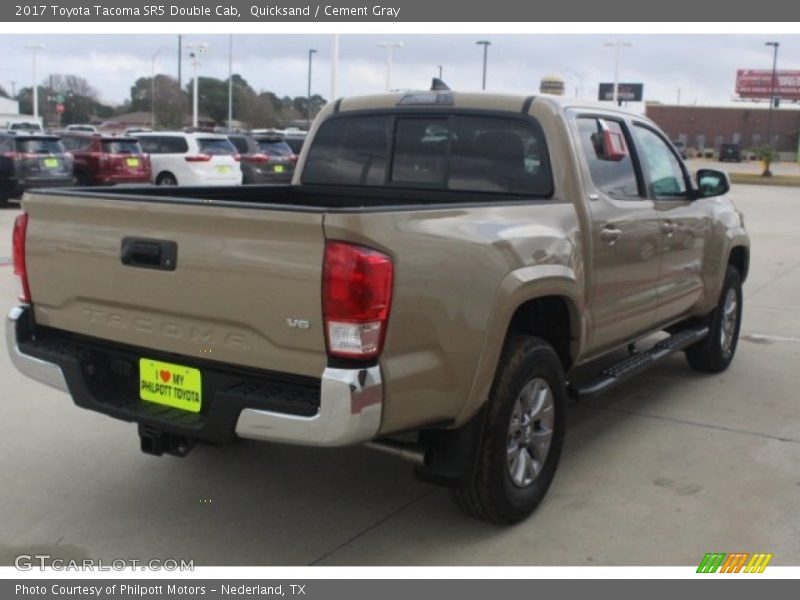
[
  {"x": 35, "y": 48},
  {"x": 389, "y": 48},
  {"x": 617, "y": 46},
  {"x": 194, "y": 50},
  {"x": 771, "y": 91},
  {"x": 485, "y": 44},
  {"x": 311, "y": 53}
]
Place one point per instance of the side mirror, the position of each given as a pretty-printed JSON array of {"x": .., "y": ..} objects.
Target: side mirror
[
  {"x": 608, "y": 144},
  {"x": 711, "y": 182}
]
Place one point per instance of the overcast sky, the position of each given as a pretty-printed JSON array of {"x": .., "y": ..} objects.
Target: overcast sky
[{"x": 702, "y": 67}]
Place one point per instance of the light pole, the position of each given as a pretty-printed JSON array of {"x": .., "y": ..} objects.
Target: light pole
[
  {"x": 334, "y": 64},
  {"x": 153, "y": 90},
  {"x": 194, "y": 50},
  {"x": 772, "y": 89},
  {"x": 311, "y": 53},
  {"x": 230, "y": 81},
  {"x": 34, "y": 48},
  {"x": 485, "y": 44},
  {"x": 440, "y": 71},
  {"x": 390, "y": 46},
  {"x": 617, "y": 46}
]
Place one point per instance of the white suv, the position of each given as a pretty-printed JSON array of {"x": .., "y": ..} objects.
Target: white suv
[{"x": 179, "y": 158}]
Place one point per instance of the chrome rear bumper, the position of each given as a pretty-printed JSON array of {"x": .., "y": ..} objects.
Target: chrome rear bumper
[{"x": 351, "y": 400}]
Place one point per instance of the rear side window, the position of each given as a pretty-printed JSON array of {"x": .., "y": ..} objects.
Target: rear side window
[
  {"x": 39, "y": 146},
  {"x": 617, "y": 178},
  {"x": 215, "y": 147},
  {"x": 150, "y": 144},
  {"x": 275, "y": 147},
  {"x": 349, "y": 151},
  {"x": 448, "y": 152},
  {"x": 121, "y": 147},
  {"x": 167, "y": 144}
]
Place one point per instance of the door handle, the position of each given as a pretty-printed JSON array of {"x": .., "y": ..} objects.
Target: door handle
[
  {"x": 149, "y": 254},
  {"x": 610, "y": 236}
]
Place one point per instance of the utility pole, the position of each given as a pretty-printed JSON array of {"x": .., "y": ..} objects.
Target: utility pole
[
  {"x": 230, "y": 81},
  {"x": 334, "y": 64},
  {"x": 485, "y": 44},
  {"x": 772, "y": 88},
  {"x": 34, "y": 48},
  {"x": 180, "y": 61},
  {"x": 617, "y": 46},
  {"x": 440, "y": 71},
  {"x": 13, "y": 88},
  {"x": 311, "y": 53}
]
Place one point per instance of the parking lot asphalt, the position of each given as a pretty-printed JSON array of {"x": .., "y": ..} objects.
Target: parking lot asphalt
[{"x": 667, "y": 467}]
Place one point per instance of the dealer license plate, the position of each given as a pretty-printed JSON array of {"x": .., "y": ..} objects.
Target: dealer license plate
[{"x": 170, "y": 385}]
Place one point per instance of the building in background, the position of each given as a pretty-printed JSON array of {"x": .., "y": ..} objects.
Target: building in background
[
  {"x": 552, "y": 85},
  {"x": 703, "y": 129}
]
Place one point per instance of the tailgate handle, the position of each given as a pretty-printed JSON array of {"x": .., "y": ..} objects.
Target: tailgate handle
[{"x": 149, "y": 254}]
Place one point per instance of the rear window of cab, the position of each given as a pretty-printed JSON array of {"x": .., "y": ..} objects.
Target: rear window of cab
[{"x": 455, "y": 152}]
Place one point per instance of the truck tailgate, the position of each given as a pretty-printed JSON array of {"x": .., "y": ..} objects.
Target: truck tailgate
[{"x": 243, "y": 279}]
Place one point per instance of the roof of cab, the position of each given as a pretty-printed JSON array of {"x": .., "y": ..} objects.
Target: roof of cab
[{"x": 465, "y": 100}]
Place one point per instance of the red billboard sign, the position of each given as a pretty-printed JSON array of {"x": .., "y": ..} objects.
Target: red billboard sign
[{"x": 751, "y": 83}]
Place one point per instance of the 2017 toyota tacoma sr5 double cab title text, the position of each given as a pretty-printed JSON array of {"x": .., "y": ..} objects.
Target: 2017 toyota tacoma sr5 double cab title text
[{"x": 443, "y": 272}]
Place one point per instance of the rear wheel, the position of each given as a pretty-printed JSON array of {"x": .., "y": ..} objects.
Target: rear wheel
[
  {"x": 715, "y": 353},
  {"x": 522, "y": 437},
  {"x": 166, "y": 179}
]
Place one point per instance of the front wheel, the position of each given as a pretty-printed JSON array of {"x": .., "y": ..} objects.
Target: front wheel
[
  {"x": 715, "y": 353},
  {"x": 522, "y": 437}
]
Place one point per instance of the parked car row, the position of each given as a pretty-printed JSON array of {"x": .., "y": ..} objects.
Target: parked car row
[{"x": 34, "y": 159}]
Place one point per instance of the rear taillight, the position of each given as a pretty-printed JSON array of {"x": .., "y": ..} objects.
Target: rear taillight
[
  {"x": 256, "y": 158},
  {"x": 356, "y": 299},
  {"x": 18, "y": 243},
  {"x": 198, "y": 158},
  {"x": 293, "y": 158},
  {"x": 19, "y": 155},
  {"x": 237, "y": 157}
]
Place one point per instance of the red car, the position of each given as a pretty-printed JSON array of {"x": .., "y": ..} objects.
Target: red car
[{"x": 103, "y": 159}]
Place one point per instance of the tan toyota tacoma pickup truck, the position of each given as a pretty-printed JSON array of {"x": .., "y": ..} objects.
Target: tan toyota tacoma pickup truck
[{"x": 445, "y": 270}]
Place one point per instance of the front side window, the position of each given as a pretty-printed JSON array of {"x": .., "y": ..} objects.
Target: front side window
[
  {"x": 613, "y": 176},
  {"x": 665, "y": 175}
]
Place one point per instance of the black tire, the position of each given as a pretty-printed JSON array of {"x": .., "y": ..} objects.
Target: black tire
[
  {"x": 491, "y": 494},
  {"x": 166, "y": 179},
  {"x": 714, "y": 353}
]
